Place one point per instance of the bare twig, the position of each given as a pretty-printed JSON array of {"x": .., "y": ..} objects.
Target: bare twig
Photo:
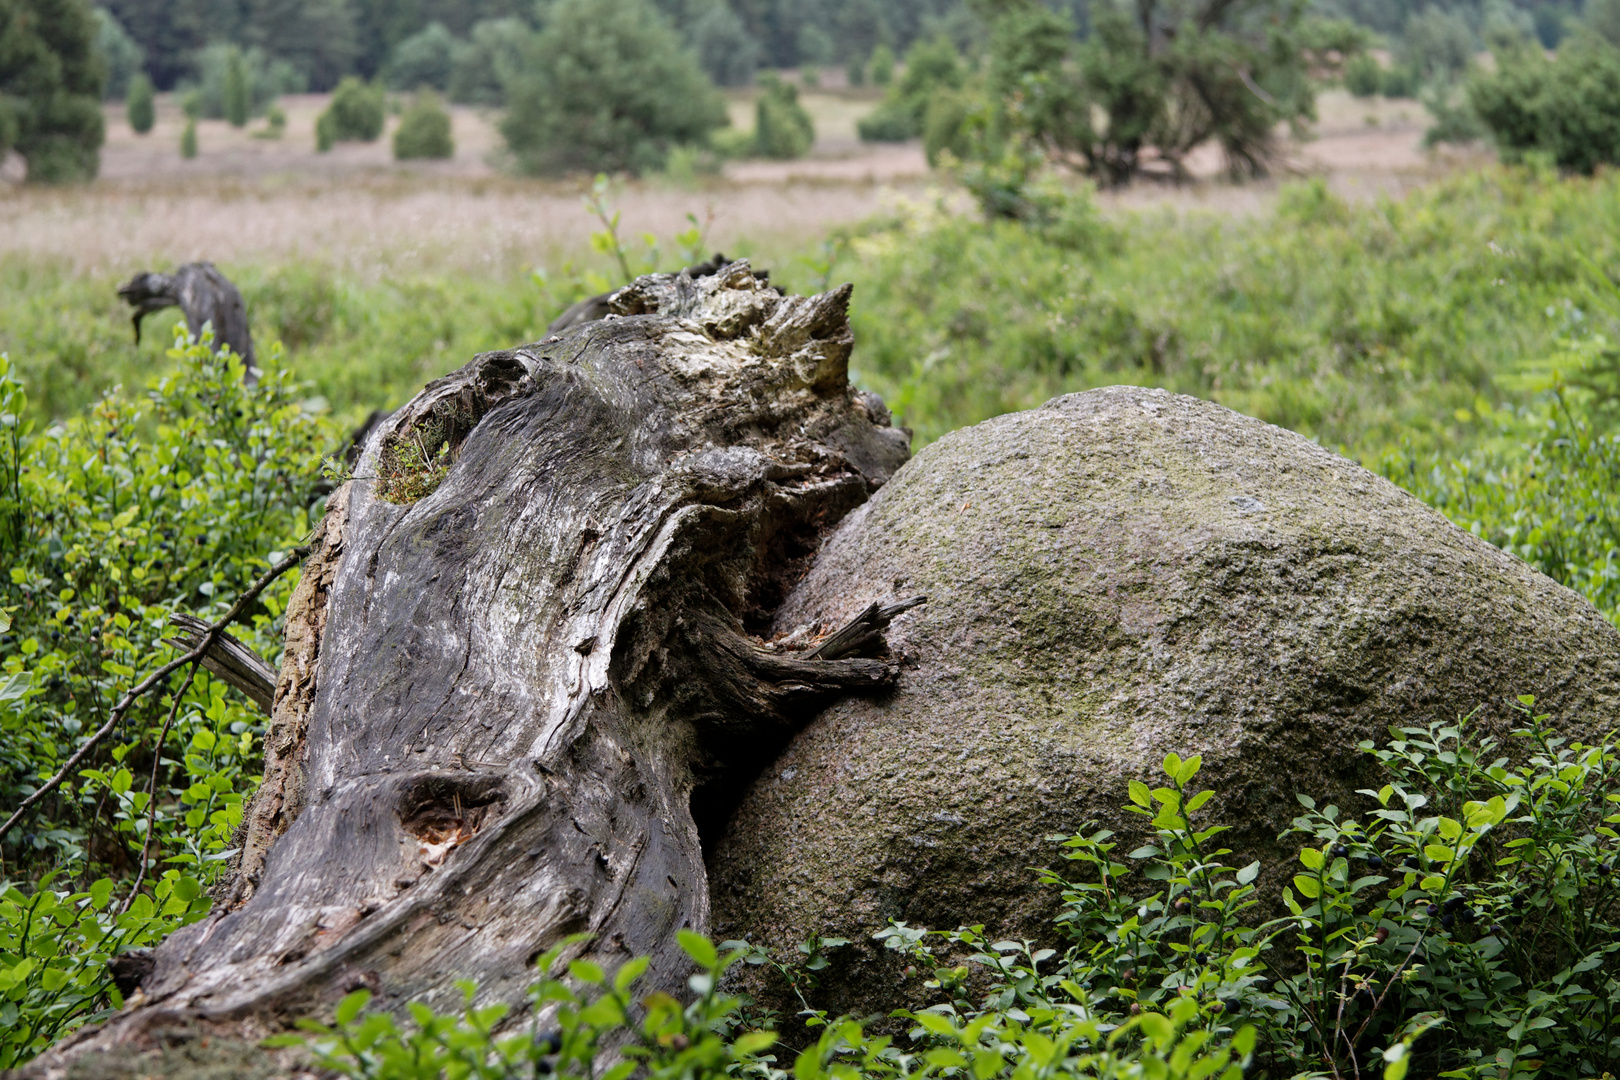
[
  {"x": 204, "y": 643},
  {"x": 151, "y": 787}
]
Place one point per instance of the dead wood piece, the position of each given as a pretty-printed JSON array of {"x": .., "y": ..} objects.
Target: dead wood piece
[
  {"x": 228, "y": 658},
  {"x": 863, "y": 631},
  {"x": 206, "y": 297},
  {"x": 498, "y": 698}
]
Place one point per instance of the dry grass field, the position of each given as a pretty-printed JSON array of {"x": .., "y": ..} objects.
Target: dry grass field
[{"x": 247, "y": 198}]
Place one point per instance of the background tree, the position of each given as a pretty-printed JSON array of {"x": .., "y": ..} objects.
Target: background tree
[
  {"x": 723, "y": 45},
  {"x": 782, "y": 128},
  {"x": 1567, "y": 108},
  {"x": 427, "y": 58},
  {"x": 932, "y": 67},
  {"x": 490, "y": 61},
  {"x": 50, "y": 88},
  {"x": 357, "y": 112},
  {"x": 141, "y": 104},
  {"x": 424, "y": 130},
  {"x": 188, "y": 139},
  {"x": 608, "y": 87},
  {"x": 1146, "y": 87},
  {"x": 238, "y": 100},
  {"x": 882, "y": 65},
  {"x": 120, "y": 55}
]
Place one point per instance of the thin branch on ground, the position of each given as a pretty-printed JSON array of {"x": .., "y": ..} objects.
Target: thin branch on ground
[{"x": 151, "y": 787}]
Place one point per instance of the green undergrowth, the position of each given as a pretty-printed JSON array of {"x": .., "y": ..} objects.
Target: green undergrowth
[
  {"x": 1463, "y": 924},
  {"x": 171, "y": 499},
  {"x": 1361, "y": 326}
]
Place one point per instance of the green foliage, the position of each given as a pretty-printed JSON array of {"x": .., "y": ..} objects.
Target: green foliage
[
  {"x": 491, "y": 60},
  {"x": 1567, "y": 108},
  {"x": 424, "y": 130},
  {"x": 428, "y": 58},
  {"x": 55, "y": 947},
  {"x": 1363, "y": 76},
  {"x": 356, "y": 114},
  {"x": 51, "y": 83},
  {"x": 237, "y": 100},
  {"x": 1215, "y": 71},
  {"x": 723, "y": 45},
  {"x": 608, "y": 88},
  {"x": 256, "y": 76},
  {"x": 1361, "y": 326},
  {"x": 188, "y": 139},
  {"x": 658, "y": 1038},
  {"x": 932, "y": 67},
  {"x": 171, "y": 501},
  {"x": 782, "y": 128},
  {"x": 120, "y": 56},
  {"x": 141, "y": 104},
  {"x": 882, "y": 66}
]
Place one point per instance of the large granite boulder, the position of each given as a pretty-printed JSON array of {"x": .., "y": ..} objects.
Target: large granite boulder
[{"x": 1114, "y": 575}]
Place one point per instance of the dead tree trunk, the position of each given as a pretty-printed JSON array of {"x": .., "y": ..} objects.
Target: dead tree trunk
[
  {"x": 206, "y": 297},
  {"x": 502, "y": 688}
]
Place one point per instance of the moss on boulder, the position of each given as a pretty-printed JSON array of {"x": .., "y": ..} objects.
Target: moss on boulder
[{"x": 1115, "y": 575}]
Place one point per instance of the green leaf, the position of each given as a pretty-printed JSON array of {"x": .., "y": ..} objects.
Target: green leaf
[
  {"x": 587, "y": 972},
  {"x": 629, "y": 972},
  {"x": 753, "y": 1042},
  {"x": 1311, "y": 858},
  {"x": 699, "y": 948},
  {"x": 1172, "y": 764},
  {"x": 1439, "y": 853},
  {"x": 1188, "y": 769},
  {"x": 1139, "y": 794},
  {"x": 935, "y": 1023},
  {"x": 1249, "y": 873},
  {"x": 350, "y": 1007},
  {"x": 1308, "y": 887}
]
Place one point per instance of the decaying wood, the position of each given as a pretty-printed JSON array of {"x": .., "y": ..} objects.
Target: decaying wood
[
  {"x": 228, "y": 658},
  {"x": 205, "y": 296},
  {"x": 500, "y": 702}
]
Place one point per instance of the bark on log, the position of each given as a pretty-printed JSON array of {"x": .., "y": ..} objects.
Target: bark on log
[
  {"x": 501, "y": 703},
  {"x": 206, "y": 297}
]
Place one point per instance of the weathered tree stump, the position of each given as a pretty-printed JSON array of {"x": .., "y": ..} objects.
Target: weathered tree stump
[
  {"x": 206, "y": 297},
  {"x": 501, "y": 700}
]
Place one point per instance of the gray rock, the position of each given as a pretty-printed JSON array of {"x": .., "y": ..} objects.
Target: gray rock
[{"x": 1115, "y": 575}]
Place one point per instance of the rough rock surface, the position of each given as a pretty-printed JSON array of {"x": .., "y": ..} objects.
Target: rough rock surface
[{"x": 1117, "y": 574}]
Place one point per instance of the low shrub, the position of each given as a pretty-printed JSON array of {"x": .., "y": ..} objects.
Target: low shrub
[
  {"x": 1363, "y": 76},
  {"x": 173, "y": 500},
  {"x": 424, "y": 130},
  {"x": 1466, "y": 923},
  {"x": 141, "y": 105},
  {"x": 356, "y": 114},
  {"x": 782, "y": 128},
  {"x": 1567, "y": 108}
]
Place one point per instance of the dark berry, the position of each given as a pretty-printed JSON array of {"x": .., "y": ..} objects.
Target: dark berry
[
  {"x": 1340, "y": 851},
  {"x": 1230, "y": 1007},
  {"x": 1432, "y": 910},
  {"x": 548, "y": 1042},
  {"x": 1202, "y": 958},
  {"x": 1454, "y": 903},
  {"x": 1466, "y": 915},
  {"x": 1518, "y": 901},
  {"x": 1412, "y": 862},
  {"x": 1605, "y": 869},
  {"x": 1182, "y": 907},
  {"x": 1381, "y": 935},
  {"x": 1375, "y": 861},
  {"x": 1498, "y": 928},
  {"x": 1447, "y": 921},
  {"x": 1516, "y": 919}
]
